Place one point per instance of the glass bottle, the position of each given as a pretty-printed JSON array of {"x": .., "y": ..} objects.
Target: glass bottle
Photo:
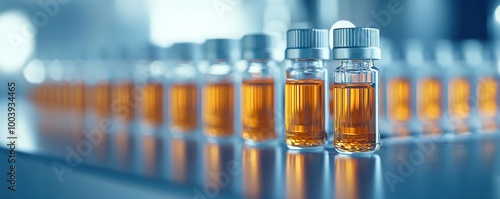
[
  {"x": 356, "y": 90},
  {"x": 484, "y": 81},
  {"x": 259, "y": 106},
  {"x": 183, "y": 112},
  {"x": 427, "y": 89},
  {"x": 219, "y": 88},
  {"x": 153, "y": 76},
  {"x": 123, "y": 92},
  {"x": 396, "y": 92},
  {"x": 457, "y": 89},
  {"x": 305, "y": 88}
]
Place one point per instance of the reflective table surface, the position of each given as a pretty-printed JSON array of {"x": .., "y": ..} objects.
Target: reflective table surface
[{"x": 128, "y": 163}]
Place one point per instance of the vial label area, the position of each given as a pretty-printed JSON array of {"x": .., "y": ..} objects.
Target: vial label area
[
  {"x": 183, "y": 107},
  {"x": 152, "y": 104},
  {"x": 355, "y": 117},
  {"x": 218, "y": 109},
  {"x": 125, "y": 103},
  {"x": 257, "y": 102},
  {"x": 305, "y": 112},
  {"x": 102, "y": 97}
]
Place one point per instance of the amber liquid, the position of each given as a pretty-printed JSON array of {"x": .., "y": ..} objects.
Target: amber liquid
[
  {"x": 124, "y": 96},
  {"x": 66, "y": 95},
  {"x": 398, "y": 100},
  {"x": 102, "y": 97},
  {"x": 458, "y": 103},
  {"x": 152, "y": 104},
  {"x": 459, "y": 92},
  {"x": 257, "y": 113},
  {"x": 429, "y": 99},
  {"x": 218, "y": 109},
  {"x": 183, "y": 107},
  {"x": 487, "y": 95},
  {"x": 355, "y": 117},
  {"x": 305, "y": 113},
  {"x": 78, "y": 97},
  {"x": 331, "y": 102}
]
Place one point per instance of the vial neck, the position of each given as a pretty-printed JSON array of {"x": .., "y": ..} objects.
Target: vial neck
[
  {"x": 307, "y": 63},
  {"x": 356, "y": 64}
]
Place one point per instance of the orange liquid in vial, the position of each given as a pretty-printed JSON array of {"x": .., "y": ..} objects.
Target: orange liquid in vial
[
  {"x": 487, "y": 95},
  {"x": 78, "y": 97},
  {"x": 124, "y": 96},
  {"x": 152, "y": 104},
  {"x": 66, "y": 95},
  {"x": 305, "y": 113},
  {"x": 355, "y": 117},
  {"x": 257, "y": 102},
  {"x": 218, "y": 109},
  {"x": 183, "y": 107},
  {"x": 331, "y": 102},
  {"x": 458, "y": 102},
  {"x": 398, "y": 101},
  {"x": 459, "y": 93},
  {"x": 102, "y": 97},
  {"x": 429, "y": 99}
]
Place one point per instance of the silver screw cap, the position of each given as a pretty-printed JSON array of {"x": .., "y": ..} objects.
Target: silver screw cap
[
  {"x": 258, "y": 46},
  {"x": 186, "y": 51},
  {"x": 307, "y": 44},
  {"x": 356, "y": 43},
  {"x": 222, "y": 49}
]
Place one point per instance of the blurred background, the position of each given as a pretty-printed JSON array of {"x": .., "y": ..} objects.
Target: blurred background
[
  {"x": 419, "y": 36},
  {"x": 71, "y": 27}
]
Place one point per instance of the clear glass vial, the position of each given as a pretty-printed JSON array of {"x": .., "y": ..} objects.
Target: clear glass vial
[
  {"x": 305, "y": 88},
  {"x": 219, "y": 88},
  {"x": 356, "y": 90},
  {"x": 259, "y": 106},
  {"x": 183, "y": 103},
  {"x": 152, "y": 75},
  {"x": 456, "y": 87}
]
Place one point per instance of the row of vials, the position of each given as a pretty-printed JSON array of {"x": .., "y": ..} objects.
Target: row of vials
[{"x": 308, "y": 100}]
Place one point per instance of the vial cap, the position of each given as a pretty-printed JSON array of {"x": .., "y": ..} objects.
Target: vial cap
[
  {"x": 356, "y": 43},
  {"x": 307, "y": 44},
  {"x": 258, "y": 46},
  {"x": 222, "y": 49},
  {"x": 186, "y": 51}
]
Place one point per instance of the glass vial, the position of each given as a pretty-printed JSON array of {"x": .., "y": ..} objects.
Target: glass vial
[
  {"x": 152, "y": 74},
  {"x": 457, "y": 89},
  {"x": 356, "y": 90},
  {"x": 219, "y": 89},
  {"x": 183, "y": 112},
  {"x": 305, "y": 89},
  {"x": 484, "y": 77},
  {"x": 259, "y": 90},
  {"x": 427, "y": 86}
]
